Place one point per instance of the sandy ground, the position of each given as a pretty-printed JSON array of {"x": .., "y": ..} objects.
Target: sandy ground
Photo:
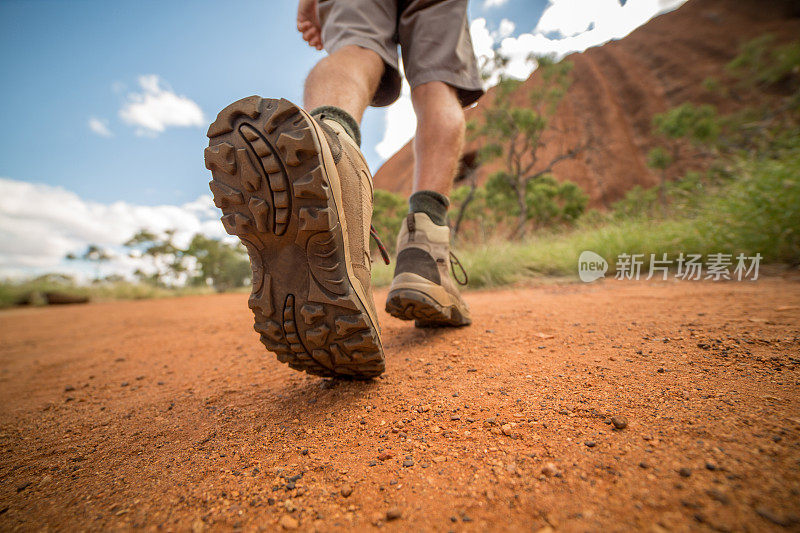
[{"x": 169, "y": 415}]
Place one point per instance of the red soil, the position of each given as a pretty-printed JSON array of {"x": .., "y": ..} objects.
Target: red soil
[{"x": 169, "y": 415}]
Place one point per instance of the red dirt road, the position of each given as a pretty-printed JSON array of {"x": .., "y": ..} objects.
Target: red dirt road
[{"x": 169, "y": 415}]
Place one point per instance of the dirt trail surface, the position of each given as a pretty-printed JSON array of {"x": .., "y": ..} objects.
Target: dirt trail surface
[{"x": 169, "y": 415}]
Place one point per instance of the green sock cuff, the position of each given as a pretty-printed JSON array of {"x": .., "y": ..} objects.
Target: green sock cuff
[
  {"x": 342, "y": 117},
  {"x": 431, "y": 203}
]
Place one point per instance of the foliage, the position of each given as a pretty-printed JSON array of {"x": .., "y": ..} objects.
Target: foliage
[
  {"x": 756, "y": 210},
  {"x": 761, "y": 63},
  {"x": 523, "y": 194},
  {"x": 388, "y": 211},
  {"x": 659, "y": 158},
  {"x": 32, "y": 291},
  {"x": 698, "y": 124},
  {"x": 759, "y": 211},
  {"x": 203, "y": 264},
  {"x": 219, "y": 264},
  {"x": 93, "y": 254},
  {"x": 167, "y": 259},
  {"x": 549, "y": 202}
]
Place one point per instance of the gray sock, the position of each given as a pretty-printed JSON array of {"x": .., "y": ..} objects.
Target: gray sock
[
  {"x": 431, "y": 203},
  {"x": 342, "y": 117}
]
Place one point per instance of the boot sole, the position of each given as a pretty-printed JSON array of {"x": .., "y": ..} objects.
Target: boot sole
[
  {"x": 410, "y": 304},
  {"x": 277, "y": 186}
]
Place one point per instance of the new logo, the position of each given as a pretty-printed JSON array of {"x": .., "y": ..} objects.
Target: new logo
[{"x": 591, "y": 266}]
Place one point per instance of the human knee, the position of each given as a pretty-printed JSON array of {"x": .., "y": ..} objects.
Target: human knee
[
  {"x": 358, "y": 61},
  {"x": 439, "y": 100},
  {"x": 438, "y": 110}
]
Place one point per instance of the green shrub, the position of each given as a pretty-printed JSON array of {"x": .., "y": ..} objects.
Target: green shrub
[
  {"x": 759, "y": 211},
  {"x": 388, "y": 211}
]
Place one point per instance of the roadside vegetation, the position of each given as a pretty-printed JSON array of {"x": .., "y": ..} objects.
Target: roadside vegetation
[
  {"x": 205, "y": 266},
  {"x": 743, "y": 197}
]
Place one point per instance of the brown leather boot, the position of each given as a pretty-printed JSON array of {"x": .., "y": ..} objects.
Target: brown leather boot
[
  {"x": 298, "y": 195},
  {"x": 422, "y": 288}
]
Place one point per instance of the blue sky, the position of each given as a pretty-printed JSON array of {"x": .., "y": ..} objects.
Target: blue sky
[
  {"x": 105, "y": 105},
  {"x": 66, "y": 62}
]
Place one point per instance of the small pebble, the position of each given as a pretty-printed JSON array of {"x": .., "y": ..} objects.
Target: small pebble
[
  {"x": 619, "y": 422},
  {"x": 590, "y": 444},
  {"x": 408, "y": 462},
  {"x": 394, "y": 513},
  {"x": 346, "y": 491},
  {"x": 685, "y": 472},
  {"x": 550, "y": 470}
]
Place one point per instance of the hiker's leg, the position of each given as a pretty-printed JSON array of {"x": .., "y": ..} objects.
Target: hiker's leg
[
  {"x": 347, "y": 79},
  {"x": 422, "y": 288},
  {"x": 440, "y": 136}
]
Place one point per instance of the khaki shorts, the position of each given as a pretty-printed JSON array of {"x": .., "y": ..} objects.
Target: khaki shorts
[{"x": 433, "y": 36}]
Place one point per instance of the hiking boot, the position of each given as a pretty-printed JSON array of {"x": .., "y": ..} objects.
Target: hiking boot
[
  {"x": 422, "y": 289},
  {"x": 299, "y": 197}
]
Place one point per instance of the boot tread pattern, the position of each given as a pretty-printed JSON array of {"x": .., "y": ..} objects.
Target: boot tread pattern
[
  {"x": 408, "y": 304},
  {"x": 269, "y": 181}
]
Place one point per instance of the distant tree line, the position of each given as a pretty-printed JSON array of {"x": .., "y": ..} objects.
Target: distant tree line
[{"x": 204, "y": 262}]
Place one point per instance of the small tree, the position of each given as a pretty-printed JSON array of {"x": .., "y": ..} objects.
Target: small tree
[
  {"x": 224, "y": 266},
  {"x": 93, "y": 254},
  {"x": 697, "y": 124},
  {"x": 515, "y": 133},
  {"x": 167, "y": 258},
  {"x": 659, "y": 159}
]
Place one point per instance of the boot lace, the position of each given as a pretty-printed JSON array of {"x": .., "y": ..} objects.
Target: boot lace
[
  {"x": 381, "y": 248},
  {"x": 453, "y": 262}
]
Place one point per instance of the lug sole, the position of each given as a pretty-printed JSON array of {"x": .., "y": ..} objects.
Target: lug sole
[
  {"x": 277, "y": 186},
  {"x": 411, "y": 304}
]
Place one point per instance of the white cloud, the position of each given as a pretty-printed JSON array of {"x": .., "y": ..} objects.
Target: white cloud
[
  {"x": 401, "y": 124},
  {"x": 487, "y": 4},
  {"x": 568, "y": 26},
  {"x": 100, "y": 127},
  {"x": 157, "y": 108},
  {"x": 40, "y": 224},
  {"x": 505, "y": 29},
  {"x": 482, "y": 40}
]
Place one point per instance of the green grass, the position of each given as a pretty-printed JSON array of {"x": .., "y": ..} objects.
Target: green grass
[
  {"x": 499, "y": 263},
  {"x": 757, "y": 210}
]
